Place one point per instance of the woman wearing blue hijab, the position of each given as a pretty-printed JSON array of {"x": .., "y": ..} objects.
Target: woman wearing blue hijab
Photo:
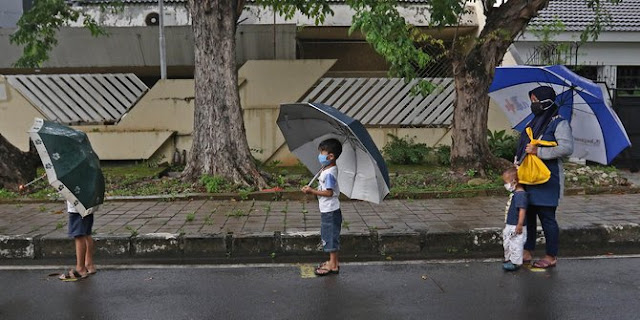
[{"x": 547, "y": 125}]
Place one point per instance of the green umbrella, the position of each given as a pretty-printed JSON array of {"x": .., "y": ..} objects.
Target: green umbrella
[{"x": 72, "y": 167}]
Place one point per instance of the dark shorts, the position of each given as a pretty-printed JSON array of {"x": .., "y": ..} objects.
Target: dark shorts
[
  {"x": 330, "y": 226},
  {"x": 79, "y": 226}
]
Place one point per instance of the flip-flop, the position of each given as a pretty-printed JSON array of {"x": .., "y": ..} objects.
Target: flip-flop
[
  {"x": 544, "y": 264},
  {"x": 72, "y": 275},
  {"x": 325, "y": 272}
]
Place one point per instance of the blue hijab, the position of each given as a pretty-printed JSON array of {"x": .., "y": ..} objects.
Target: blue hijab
[{"x": 540, "y": 122}]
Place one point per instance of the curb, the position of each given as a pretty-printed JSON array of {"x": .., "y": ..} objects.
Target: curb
[{"x": 355, "y": 246}]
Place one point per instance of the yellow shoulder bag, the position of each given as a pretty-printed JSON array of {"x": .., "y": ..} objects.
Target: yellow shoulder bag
[{"x": 532, "y": 170}]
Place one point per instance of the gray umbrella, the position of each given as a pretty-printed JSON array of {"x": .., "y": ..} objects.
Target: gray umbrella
[{"x": 362, "y": 172}]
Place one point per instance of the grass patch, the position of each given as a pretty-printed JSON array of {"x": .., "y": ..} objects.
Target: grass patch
[
  {"x": 237, "y": 213},
  {"x": 190, "y": 216},
  {"x": 430, "y": 176},
  {"x": 6, "y": 194},
  {"x": 131, "y": 230}
]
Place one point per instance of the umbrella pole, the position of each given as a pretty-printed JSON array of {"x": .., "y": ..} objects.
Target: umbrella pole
[
  {"x": 315, "y": 177},
  {"x": 21, "y": 187}
]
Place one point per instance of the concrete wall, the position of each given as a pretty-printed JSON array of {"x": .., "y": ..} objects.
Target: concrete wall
[
  {"x": 162, "y": 121},
  {"x": 16, "y": 115},
  {"x": 137, "y": 47}
]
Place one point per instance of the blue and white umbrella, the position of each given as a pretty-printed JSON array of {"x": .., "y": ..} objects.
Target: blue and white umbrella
[
  {"x": 597, "y": 131},
  {"x": 362, "y": 172}
]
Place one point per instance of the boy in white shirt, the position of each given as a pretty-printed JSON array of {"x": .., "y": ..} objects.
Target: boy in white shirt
[{"x": 331, "y": 216}]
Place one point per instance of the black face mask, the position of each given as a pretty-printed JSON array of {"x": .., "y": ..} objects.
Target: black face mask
[{"x": 539, "y": 107}]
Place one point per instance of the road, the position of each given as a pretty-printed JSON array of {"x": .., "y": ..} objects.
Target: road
[{"x": 588, "y": 288}]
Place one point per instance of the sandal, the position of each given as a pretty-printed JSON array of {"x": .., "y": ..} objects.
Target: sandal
[
  {"x": 91, "y": 272},
  {"x": 544, "y": 264},
  {"x": 72, "y": 275},
  {"x": 322, "y": 271}
]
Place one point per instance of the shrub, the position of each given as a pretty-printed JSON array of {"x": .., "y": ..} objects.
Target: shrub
[
  {"x": 213, "y": 184},
  {"x": 443, "y": 155},
  {"x": 405, "y": 150},
  {"x": 502, "y": 144}
]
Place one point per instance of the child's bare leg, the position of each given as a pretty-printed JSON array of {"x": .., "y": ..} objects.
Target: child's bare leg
[
  {"x": 88, "y": 258},
  {"x": 81, "y": 250},
  {"x": 333, "y": 260}
]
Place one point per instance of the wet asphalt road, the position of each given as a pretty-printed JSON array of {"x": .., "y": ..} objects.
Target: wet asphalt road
[{"x": 576, "y": 289}]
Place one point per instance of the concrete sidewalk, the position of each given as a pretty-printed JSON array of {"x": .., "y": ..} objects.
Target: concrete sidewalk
[{"x": 233, "y": 230}]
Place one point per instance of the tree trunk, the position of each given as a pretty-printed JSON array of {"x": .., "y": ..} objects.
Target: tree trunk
[
  {"x": 473, "y": 73},
  {"x": 469, "y": 147},
  {"x": 219, "y": 140},
  {"x": 16, "y": 167}
]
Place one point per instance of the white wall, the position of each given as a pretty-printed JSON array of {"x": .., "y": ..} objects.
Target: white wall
[
  {"x": 598, "y": 53},
  {"x": 177, "y": 14}
]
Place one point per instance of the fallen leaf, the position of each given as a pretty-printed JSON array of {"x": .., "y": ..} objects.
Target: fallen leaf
[
  {"x": 388, "y": 258},
  {"x": 57, "y": 212},
  {"x": 147, "y": 279},
  {"x": 424, "y": 277}
]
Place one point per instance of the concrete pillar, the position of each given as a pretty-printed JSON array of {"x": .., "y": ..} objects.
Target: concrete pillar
[{"x": 608, "y": 74}]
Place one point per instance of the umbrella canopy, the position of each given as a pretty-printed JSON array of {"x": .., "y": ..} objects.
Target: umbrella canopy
[
  {"x": 597, "y": 131},
  {"x": 72, "y": 167},
  {"x": 362, "y": 172}
]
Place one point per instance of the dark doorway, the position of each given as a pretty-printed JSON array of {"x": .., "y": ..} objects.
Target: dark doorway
[{"x": 628, "y": 109}]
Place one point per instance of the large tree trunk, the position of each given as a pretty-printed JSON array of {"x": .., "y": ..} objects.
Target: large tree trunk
[
  {"x": 469, "y": 147},
  {"x": 473, "y": 73},
  {"x": 219, "y": 141},
  {"x": 16, "y": 167}
]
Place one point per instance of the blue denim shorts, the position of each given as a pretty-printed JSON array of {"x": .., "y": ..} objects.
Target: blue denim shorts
[
  {"x": 331, "y": 224},
  {"x": 79, "y": 226}
]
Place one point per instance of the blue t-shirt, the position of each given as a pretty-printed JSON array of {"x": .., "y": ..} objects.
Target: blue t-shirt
[{"x": 518, "y": 201}]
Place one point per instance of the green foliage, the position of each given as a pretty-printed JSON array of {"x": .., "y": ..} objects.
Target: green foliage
[
  {"x": 318, "y": 9},
  {"x": 601, "y": 18},
  {"x": 552, "y": 52},
  {"x": 547, "y": 32},
  {"x": 443, "y": 155},
  {"x": 6, "y": 194},
  {"x": 390, "y": 35},
  {"x": 405, "y": 150},
  {"x": 37, "y": 30},
  {"x": 132, "y": 230},
  {"x": 190, "y": 216},
  {"x": 237, "y": 213},
  {"x": 502, "y": 144},
  {"x": 244, "y": 193},
  {"x": 471, "y": 173},
  {"x": 213, "y": 184}
]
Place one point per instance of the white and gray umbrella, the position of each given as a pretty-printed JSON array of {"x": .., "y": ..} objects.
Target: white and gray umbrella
[{"x": 362, "y": 172}]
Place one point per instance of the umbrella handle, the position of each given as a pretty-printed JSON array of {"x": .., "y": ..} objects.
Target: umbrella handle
[
  {"x": 32, "y": 181},
  {"x": 315, "y": 177}
]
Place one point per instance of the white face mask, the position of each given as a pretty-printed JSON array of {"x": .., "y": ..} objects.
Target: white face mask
[{"x": 510, "y": 187}]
